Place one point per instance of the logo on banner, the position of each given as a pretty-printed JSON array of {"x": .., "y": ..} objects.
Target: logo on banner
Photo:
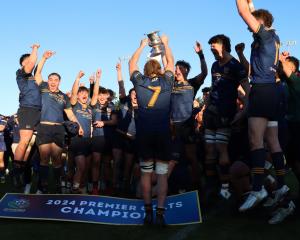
[{"x": 17, "y": 205}]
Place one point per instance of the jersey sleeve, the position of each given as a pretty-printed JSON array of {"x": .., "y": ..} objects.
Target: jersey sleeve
[
  {"x": 67, "y": 102},
  {"x": 263, "y": 34},
  {"x": 136, "y": 77},
  {"x": 241, "y": 73},
  {"x": 169, "y": 76}
]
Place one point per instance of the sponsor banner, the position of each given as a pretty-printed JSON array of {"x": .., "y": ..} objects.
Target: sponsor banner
[{"x": 181, "y": 209}]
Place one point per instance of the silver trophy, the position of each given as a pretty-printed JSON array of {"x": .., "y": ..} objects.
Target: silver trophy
[{"x": 155, "y": 43}]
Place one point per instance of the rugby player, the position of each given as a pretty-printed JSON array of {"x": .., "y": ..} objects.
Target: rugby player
[
  {"x": 153, "y": 89},
  {"x": 264, "y": 101},
  {"x": 220, "y": 112},
  {"x": 183, "y": 122},
  {"x": 29, "y": 110},
  {"x": 51, "y": 131}
]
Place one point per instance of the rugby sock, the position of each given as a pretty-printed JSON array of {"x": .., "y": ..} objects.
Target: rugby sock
[
  {"x": 18, "y": 167},
  {"x": 160, "y": 211},
  {"x": 258, "y": 158},
  {"x": 278, "y": 162},
  {"x": 27, "y": 174},
  {"x": 211, "y": 171},
  {"x": 57, "y": 172},
  {"x": 148, "y": 208},
  {"x": 224, "y": 172},
  {"x": 43, "y": 178},
  {"x": 95, "y": 185}
]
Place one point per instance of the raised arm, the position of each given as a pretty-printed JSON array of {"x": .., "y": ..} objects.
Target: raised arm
[
  {"x": 32, "y": 59},
  {"x": 245, "y": 9},
  {"x": 122, "y": 92},
  {"x": 169, "y": 56},
  {"x": 136, "y": 56},
  {"x": 75, "y": 88},
  {"x": 38, "y": 74},
  {"x": 239, "y": 48},
  {"x": 96, "y": 87},
  {"x": 285, "y": 66},
  {"x": 201, "y": 77}
]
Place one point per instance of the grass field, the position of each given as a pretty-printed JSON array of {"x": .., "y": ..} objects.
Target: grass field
[{"x": 222, "y": 222}]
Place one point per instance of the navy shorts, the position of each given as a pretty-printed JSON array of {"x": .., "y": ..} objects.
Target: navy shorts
[
  {"x": 156, "y": 146},
  {"x": 265, "y": 101},
  {"x": 80, "y": 146},
  {"x": 51, "y": 134},
  {"x": 28, "y": 117}
]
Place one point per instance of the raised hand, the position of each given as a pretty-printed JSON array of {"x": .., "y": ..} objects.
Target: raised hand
[
  {"x": 98, "y": 73},
  {"x": 164, "y": 39},
  {"x": 239, "y": 48},
  {"x": 35, "y": 45},
  {"x": 92, "y": 79},
  {"x": 283, "y": 56},
  {"x": 198, "y": 47},
  {"x": 80, "y": 74},
  {"x": 48, "y": 54},
  {"x": 119, "y": 66},
  {"x": 144, "y": 42}
]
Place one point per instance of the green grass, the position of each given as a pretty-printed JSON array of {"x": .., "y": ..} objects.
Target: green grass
[{"x": 223, "y": 223}]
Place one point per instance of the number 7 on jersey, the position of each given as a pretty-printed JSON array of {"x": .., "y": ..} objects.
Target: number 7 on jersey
[{"x": 156, "y": 92}]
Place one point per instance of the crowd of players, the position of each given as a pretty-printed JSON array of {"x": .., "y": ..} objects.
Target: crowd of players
[{"x": 158, "y": 138}]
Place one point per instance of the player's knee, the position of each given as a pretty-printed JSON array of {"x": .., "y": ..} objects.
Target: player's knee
[{"x": 161, "y": 168}]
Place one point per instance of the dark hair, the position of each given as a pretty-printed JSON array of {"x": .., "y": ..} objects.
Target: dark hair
[
  {"x": 184, "y": 64},
  {"x": 206, "y": 89},
  {"x": 131, "y": 90},
  {"x": 83, "y": 89},
  {"x": 103, "y": 90},
  {"x": 111, "y": 93},
  {"x": 221, "y": 38},
  {"x": 265, "y": 15},
  {"x": 54, "y": 74},
  {"x": 295, "y": 61},
  {"x": 22, "y": 58}
]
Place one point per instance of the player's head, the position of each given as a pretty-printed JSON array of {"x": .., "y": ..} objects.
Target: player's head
[
  {"x": 111, "y": 94},
  {"x": 53, "y": 82},
  {"x": 205, "y": 92},
  {"x": 132, "y": 95},
  {"x": 83, "y": 95},
  {"x": 264, "y": 17},
  {"x": 182, "y": 69},
  {"x": 103, "y": 96},
  {"x": 220, "y": 44},
  {"x": 24, "y": 59},
  {"x": 152, "y": 69},
  {"x": 293, "y": 64}
]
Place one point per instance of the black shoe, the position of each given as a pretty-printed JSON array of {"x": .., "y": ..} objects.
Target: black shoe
[
  {"x": 160, "y": 221},
  {"x": 148, "y": 220}
]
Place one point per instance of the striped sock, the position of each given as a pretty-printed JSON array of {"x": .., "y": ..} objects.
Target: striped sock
[
  {"x": 258, "y": 158},
  {"x": 279, "y": 165}
]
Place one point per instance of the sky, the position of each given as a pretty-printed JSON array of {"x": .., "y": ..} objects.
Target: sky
[{"x": 92, "y": 34}]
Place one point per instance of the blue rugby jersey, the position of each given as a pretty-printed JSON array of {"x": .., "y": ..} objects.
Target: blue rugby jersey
[
  {"x": 103, "y": 113},
  {"x": 53, "y": 105},
  {"x": 264, "y": 56},
  {"x": 154, "y": 101},
  {"x": 127, "y": 117},
  {"x": 84, "y": 117},
  {"x": 30, "y": 95},
  {"x": 225, "y": 81}
]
